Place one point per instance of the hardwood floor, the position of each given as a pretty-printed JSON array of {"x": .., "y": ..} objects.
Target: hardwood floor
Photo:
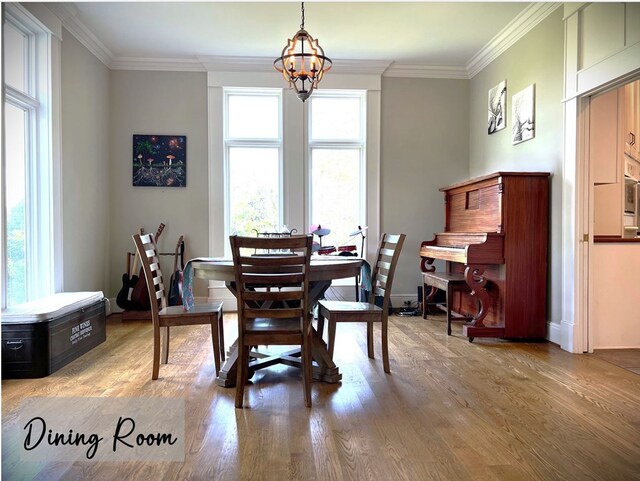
[{"x": 449, "y": 410}]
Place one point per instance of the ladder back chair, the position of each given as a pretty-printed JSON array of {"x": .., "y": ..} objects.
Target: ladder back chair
[
  {"x": 164, "y": 316},
  {"x": 381, "y": 282},
  {"x": 273, "y": 300}
]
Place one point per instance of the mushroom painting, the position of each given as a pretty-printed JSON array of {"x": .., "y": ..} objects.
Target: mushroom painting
[{"x": 170, "y": 168}]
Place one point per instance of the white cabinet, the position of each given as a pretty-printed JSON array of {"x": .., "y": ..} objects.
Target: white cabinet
[
  {"x": 631, "y": 121},
  {"x": 603, "y": 139},
  {"x": 611, "y": 139}
]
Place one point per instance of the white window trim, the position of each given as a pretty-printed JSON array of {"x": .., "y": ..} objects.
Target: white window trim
[
  {"x": 44, "y": 262},
  {"x": 360, "y": 144},
  {"x": 230, "y": 142}
]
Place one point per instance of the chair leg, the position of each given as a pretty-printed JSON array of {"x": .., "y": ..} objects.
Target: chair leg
[
  {"x": 370, "y": 340},
  {"x": 385, "y": 345},
  {"x": 448, "y": 310},
  {"x": 165, "y": 346},
  {"x": 306, "y": 361},
  {"x": 156, "y": 352},
  {"x": 215, "y": 338},
  {"x": 332, "y": 337},
  {"x": 242, "y": 373},
  {"x": 221, "y": 335},
  {"x": 424, "y": 300}
]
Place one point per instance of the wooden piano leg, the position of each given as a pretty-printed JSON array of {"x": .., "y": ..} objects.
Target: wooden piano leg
[
  {"x": 473, "y": 275},
  {"x": 426, "y": 266}
]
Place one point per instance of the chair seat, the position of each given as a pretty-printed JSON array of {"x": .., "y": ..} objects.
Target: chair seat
[
  {"x": 198, "y": 309},
  {"x": 351, "y": 307}
]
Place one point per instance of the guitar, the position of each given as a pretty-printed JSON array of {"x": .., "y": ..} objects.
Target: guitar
[
  {"x": 175, "y": 284},
  {"x": 129, "y": 280},
  {"x": 140, "y": 293}
]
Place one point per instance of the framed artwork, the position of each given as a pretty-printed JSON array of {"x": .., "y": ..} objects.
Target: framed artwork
[
  {"x": 497, "y": 107},
  {"x": 523, "y": 115},
  {"x": 159, "y": 160}
]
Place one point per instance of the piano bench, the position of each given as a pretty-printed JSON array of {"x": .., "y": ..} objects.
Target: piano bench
[{"x": 448, "y": 282}]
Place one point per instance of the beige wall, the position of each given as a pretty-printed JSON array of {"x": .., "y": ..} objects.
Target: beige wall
[
  {"x": 424, "y": 146},
  {"x": 536, "y": 59},
  {"x": 162, "y": 103},
  {"x": 85, "y": 168}
]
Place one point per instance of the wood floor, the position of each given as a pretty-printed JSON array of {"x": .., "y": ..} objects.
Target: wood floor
[{"x": 450, "y": 410}]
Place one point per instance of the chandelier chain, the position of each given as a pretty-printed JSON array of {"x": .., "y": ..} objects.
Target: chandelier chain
[{"x": 302, "y": 9}]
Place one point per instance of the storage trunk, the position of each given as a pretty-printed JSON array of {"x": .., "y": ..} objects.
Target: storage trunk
[{"x": 40, "y": 337}]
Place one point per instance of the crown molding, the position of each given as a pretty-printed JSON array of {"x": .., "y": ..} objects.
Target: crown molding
[
  {"x": 531, "y": 16},
  {"x": 157, "y": 64},
  {"x": 235, "y": 64},
  {"x": 67, "y": 13},
  {"x": 426, "y": 71}
]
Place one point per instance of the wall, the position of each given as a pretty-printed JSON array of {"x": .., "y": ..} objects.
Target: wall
[
  {"x": 535, "y": 59},
  {"x": 424, "y": 147},
  {"x": 149, "y": 102},
  {"x": 85, "y": 168}
]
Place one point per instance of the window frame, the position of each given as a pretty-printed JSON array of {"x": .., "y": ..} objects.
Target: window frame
[
  {"x": 40, "y": 100},
  {"x": 330, "y": 144},
  {"x": 244, "y": 142}
]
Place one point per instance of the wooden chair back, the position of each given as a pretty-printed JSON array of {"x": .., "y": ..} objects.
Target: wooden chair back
[
  {"x": 272, "y": 286},
  {"x": 384, "y": 268},
  {"x": 148, "y": 253}
]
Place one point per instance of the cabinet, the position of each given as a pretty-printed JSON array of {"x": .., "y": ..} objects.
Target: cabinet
[
  {"x": 611, "y": 140},
  {"x": 603, "y": 140},
  {"x": 631, "y": 119}
]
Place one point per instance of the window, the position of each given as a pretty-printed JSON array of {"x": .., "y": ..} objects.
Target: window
[
  {"x": 27, "y": 191},
  {"x": 253, "y": 159},
  {"x": 337, "y": 162}
]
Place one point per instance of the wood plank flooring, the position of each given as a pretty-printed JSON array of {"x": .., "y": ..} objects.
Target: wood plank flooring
[{"x": 450, "y": 410}]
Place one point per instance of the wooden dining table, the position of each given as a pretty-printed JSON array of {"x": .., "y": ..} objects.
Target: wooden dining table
[{"x": 324, "y": 270}]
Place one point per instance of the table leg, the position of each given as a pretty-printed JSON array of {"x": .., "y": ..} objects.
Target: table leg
[{"x": 324, "y": 369}]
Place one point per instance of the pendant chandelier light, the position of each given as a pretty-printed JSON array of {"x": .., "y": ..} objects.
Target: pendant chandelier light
[{"x": 302, "y": 63}]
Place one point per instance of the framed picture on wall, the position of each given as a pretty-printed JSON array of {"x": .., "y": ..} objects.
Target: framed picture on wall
[
  {"x": 523, "y": 121},
  {"x": 497, "y": 105},
  {"x": 159, "y": 160}
]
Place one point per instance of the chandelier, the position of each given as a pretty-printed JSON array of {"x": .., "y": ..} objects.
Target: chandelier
[{"x": 302, "y": 63}]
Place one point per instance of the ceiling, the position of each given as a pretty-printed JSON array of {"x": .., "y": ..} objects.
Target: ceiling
[{"x": 447, "y": 36}]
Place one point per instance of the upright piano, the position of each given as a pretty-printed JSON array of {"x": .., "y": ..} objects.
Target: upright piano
[{"x": 495, "y": 235}]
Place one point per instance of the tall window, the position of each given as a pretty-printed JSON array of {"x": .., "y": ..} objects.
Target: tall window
[
  {"x": 337, "y": 162},
  {"x": 27, "y": 267},
  {"x": 253, "y": 160}
]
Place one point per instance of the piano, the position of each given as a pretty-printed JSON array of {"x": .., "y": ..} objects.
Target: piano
[{"x": 495, "y": 236}]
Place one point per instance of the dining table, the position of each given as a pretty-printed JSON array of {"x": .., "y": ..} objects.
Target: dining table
[{"x": 324, "y": 270}]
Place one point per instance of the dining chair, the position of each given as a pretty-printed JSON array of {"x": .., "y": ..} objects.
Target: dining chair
[
  {"x": 381, "y": 282},
  {"x": 273, "y": 300},
  {"x": 165, "y": 316}
]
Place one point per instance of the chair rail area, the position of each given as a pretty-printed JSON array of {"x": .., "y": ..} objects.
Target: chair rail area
[{"x": 450, "y": 409}]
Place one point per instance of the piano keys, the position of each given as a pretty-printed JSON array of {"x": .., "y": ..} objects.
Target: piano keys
[{"x": 496, "y": 231}]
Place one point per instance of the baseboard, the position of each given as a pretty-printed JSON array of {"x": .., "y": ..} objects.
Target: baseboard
[{"x": 554, "y": 333}]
